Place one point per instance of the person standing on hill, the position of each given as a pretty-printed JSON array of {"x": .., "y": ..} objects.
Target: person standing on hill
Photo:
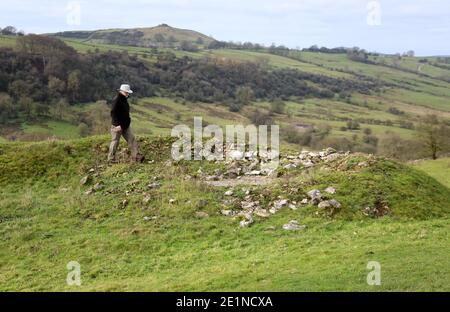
[{"x": 120, "y": 119}]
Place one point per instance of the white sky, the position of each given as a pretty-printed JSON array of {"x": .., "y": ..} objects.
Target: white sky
[{"x": 420, "y": 25}]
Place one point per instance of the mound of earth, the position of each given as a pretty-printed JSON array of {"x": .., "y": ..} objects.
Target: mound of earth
[{"x": 327, "y": 183}]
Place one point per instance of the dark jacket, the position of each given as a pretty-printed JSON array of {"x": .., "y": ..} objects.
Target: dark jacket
[{"x": 120, "y": 112}]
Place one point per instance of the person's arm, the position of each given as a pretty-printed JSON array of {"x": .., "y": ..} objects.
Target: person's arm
[{"x": 115, "y": 115}]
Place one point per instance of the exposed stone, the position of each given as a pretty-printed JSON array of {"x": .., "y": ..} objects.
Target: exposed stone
[
  {"x": 304, "y": 201},
  {"x": 227, "y": 213},
  {"x": 330, "y": 190},
  {"x": 246, "y": 205},
  {"x": 315, "y": 196},
  {"x": 124, "y": 203},
  {"x": 329, "y": 203},
  {"x": 335, "y": 203},
  {"x": 324, "y": 204},
  {"x": 85, "y": 180},
  {"x": 154, "y": 185},
  {"x": 172, "y": 201},
  {"x": 247, "y": 221},
  {"x": 146, "y": 199},
  {"x": 262, "y": 213},
  {"x": 236, "y": 155},
  {"x": 229, "y": 193},
  {"x": 293, "y": 226},
  {"x": 201, "y": 214},
  {"x": 290, "y": 166},
  {"x": 97, "y": 187},
  {"x": 280, "y": 203},
  {"x": 307, "y": 163}
]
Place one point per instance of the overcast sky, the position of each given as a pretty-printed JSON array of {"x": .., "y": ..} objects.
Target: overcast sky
[{"x": 388, "y": 26}]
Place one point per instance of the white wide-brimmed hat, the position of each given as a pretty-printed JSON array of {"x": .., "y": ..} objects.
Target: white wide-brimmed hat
[{"x": 125, "y": 88}]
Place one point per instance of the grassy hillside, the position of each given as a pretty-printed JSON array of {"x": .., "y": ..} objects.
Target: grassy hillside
[
  {"x": 159, "y": 36},
  {"x": 413, "y": 92},
  {"x": 159, "y": 226}
]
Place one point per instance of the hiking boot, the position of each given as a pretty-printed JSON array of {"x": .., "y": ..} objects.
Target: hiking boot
[{"x": 139, "y": 158}]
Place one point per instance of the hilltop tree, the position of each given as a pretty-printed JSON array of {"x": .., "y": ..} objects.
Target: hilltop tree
[
  {"x": 409, "y": 53},
  {"x": 9, "y": 31}
]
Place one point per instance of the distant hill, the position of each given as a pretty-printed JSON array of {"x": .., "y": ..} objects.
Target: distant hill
[{"x": 159, "y": 36}]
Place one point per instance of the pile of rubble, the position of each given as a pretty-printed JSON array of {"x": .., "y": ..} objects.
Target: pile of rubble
[
  {"x": 250, "y": 207},
  {"x": 241, "y": 164}
]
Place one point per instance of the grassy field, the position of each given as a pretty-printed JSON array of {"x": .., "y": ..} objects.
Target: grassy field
[
  {"x": 439, "y": 169},
  {"x": 47, "y": 220}
]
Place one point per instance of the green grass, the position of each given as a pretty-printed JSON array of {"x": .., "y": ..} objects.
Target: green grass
[
  {"x": 47, "y": 221},
  {"x": 7, "y": 41},
  {"x": 61, "y": 130},
  {"x": 439, "y": 169}
]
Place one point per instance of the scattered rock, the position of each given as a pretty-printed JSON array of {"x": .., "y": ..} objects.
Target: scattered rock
[
  {"x": 97, "y": 187},
  {"x": 280, "y": 203},
  {"x": 329, "y": 203},
  {"x": 335, "y": 203},
  {"x": 247, "y": 221},
  {"x": 262, "y": 213},
  {"x": 380, "y": 209},
  {"x": 324, "y": 204},
  {"x": 293, "y": 226},
  {"x": 150, "y": 218},
  {"x": 229, "y": 193},
  {"x": 315, "y": 196},
  {"x": 172, "y": 201},
  {"x": 146, "y": 199},
  {"x": 277, "y": 205},
  {"x": 330, "y": 190},
  {"x": 124, "y": 203},
  {"x": 154, "y": 185},
  {"x": 236, "y": 155},
  {"x": 304, "y": 201},
  {"x": 201, "y": 214},
  {"x": 290, "y": 166},
  {"x": 227, "y": 213},
  {"x": 85, "y": 180}
]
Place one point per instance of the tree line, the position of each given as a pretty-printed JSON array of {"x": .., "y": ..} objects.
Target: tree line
[{"x": 43, "y": 72}]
